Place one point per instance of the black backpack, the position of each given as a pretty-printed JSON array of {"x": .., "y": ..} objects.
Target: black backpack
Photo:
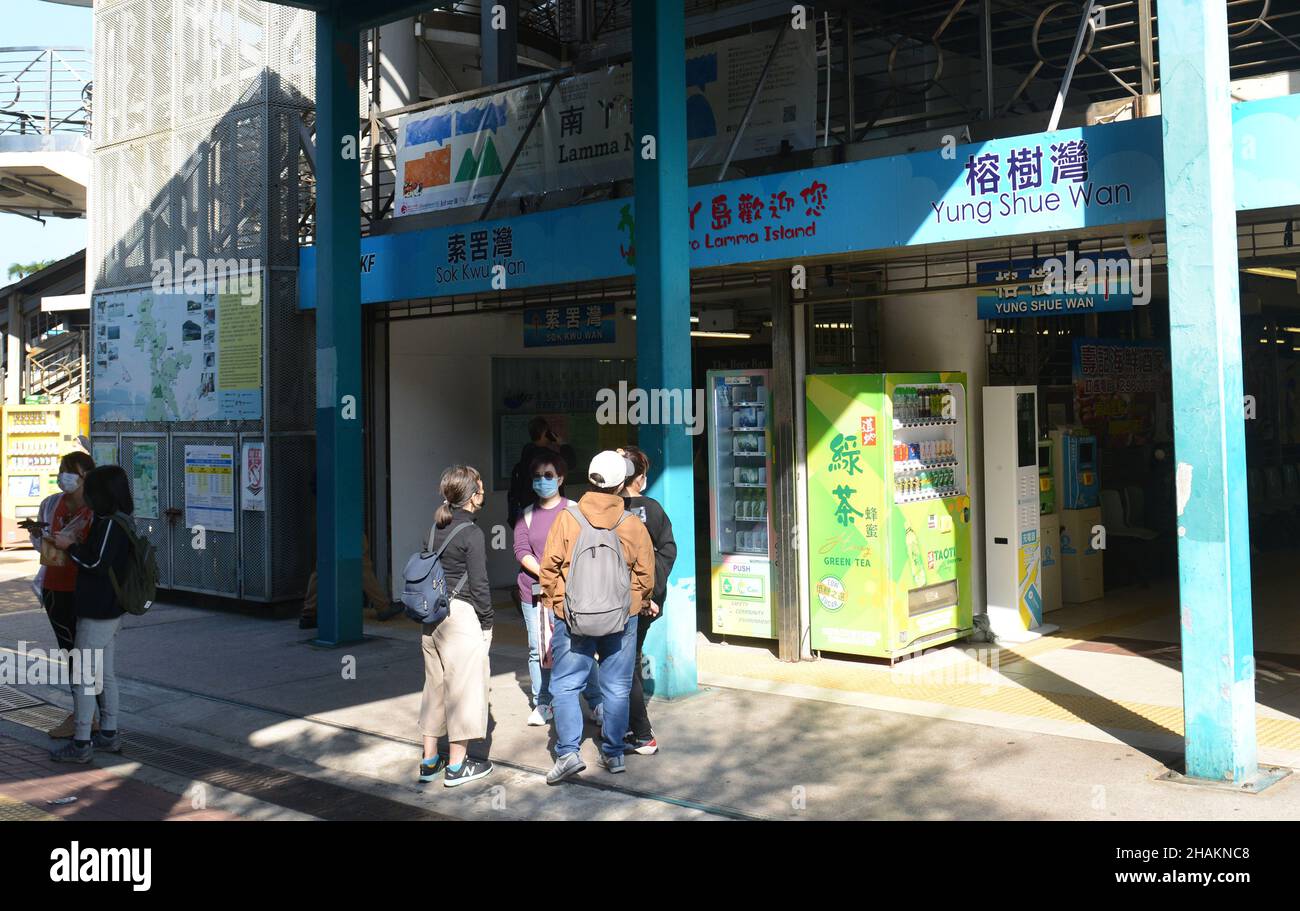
[{"x": 139, "y": 586}]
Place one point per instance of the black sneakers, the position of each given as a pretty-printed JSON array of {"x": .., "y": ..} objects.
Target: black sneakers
[
  {"x": 470, "y": 770},
  {"x": 432, "y": 768}
]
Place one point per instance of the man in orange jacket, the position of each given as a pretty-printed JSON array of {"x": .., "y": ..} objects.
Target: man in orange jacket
[{"x": 572, "y": 654}]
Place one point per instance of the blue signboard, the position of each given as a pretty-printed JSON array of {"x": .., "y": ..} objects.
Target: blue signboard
[
  {"x": 1103, "y": 175},
  {"x": 1093, "y": 283},
  {"x": 571, "y": 324}
]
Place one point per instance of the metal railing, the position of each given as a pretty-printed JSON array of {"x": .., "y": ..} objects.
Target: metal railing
[
  {"x": 45, "y": 90},
  {"x": 59, "y": 371}
]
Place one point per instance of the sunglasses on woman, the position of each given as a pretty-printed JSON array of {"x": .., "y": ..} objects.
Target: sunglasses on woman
[{"x": 548, "y": 475}]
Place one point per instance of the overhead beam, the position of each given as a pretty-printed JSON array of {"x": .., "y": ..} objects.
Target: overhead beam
[{"x": 34, "y": 189}]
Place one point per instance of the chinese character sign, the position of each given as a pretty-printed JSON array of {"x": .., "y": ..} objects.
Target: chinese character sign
[
  {"x": 1121, "y": 390},
  {"x": 590, "y": 324}
]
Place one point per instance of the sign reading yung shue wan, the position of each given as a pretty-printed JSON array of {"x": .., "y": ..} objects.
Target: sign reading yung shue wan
[{"x": 1068, "y": 285}]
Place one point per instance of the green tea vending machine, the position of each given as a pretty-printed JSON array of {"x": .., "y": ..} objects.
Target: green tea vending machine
[
  {"x": 740, "y": 468},
  {"x": 888, "y": 512}
]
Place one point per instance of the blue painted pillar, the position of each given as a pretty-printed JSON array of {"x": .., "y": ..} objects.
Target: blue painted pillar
[
  {"x": 499, "y": 42},
  {"x": 663, "y": 327},
  {"x": 338, "y": 333},
  {"x": 1209, "y": 436}
]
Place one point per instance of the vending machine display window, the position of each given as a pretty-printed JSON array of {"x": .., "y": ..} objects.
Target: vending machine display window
[{"x": 740, "y": 463}]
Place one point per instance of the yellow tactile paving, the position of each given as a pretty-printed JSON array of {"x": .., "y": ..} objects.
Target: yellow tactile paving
[
  {"x": 16, "y": 811},
  {"x": 987, "y": 692}
]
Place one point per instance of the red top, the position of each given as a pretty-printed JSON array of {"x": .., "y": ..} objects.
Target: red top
[{"x": 64, "y": 578}]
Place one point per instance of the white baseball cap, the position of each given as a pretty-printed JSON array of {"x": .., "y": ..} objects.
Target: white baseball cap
[{"x": 608, "y": 470}]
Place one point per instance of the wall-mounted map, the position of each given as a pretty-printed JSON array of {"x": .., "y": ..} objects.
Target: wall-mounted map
[{"x": 178, "y": 357}]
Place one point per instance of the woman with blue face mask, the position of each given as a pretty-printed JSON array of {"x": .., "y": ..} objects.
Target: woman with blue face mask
[{"x": 547, "y": 473}]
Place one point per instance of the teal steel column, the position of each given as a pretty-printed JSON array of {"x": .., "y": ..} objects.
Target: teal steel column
[
  {"x": 663, "y": 327},
  {"x": 1209, "y": 436},
  {"x": 338, "y": 333}
]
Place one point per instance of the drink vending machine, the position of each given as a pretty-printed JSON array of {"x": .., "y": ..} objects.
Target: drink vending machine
[
  {"x": 888, "y": 512},
  {"x": 740, "y": 468},
  {"x": 33, "y": 438}
]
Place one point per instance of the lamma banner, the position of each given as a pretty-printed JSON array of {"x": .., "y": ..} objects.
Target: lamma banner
[{"x": 455, "y": 154}]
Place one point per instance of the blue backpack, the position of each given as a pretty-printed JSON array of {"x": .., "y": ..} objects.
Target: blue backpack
[{"x": 425, "y": 595}]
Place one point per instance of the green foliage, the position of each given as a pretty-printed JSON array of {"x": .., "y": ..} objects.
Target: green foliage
[{"x": 22, "y": 270}]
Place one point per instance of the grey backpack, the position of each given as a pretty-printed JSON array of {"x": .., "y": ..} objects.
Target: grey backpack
[{"x": 598, "y": 587}]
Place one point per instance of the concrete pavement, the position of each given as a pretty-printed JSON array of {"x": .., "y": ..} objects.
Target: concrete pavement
[{"x": 258, "y": 690}]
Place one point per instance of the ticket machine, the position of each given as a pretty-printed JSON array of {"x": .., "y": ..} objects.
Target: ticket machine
[
  {"x": 1075, "y": 458},
  {"x": 1013, "y": 552}
]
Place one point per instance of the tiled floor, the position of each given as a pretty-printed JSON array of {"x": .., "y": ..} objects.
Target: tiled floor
[
  {"x": 1114, "y": 665},
  {"x": 30, "y": 783}
]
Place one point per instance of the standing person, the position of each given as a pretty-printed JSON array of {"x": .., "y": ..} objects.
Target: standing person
[
  {"x": 605, "y": 589},
  {"x": 107, "y": 548},
  {"x": 385, "y": 607},
  {"x": 641, "y": 738},
  {"x": 547, "y": 471},
  {"x": 456, "y": 673},
  {"x": 58, "y": 584},
  {"x": 542, "y": 440}
]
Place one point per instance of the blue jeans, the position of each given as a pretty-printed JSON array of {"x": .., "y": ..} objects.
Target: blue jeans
[
  {"x": 575, "y": 657},
  {"x": 539, "y": 677}
]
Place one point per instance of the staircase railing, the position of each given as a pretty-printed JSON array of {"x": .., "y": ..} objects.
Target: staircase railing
[{"x": 59, "y": 371}]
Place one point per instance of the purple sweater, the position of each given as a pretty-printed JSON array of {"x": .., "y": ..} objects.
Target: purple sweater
[{"x": 532, "y": 540}]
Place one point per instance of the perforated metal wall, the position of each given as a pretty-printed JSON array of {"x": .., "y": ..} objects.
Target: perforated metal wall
[
  {"x": 291, "y": 371},
  {"x": 196, "y": 152},
  {"x": 293, "y": 510}
]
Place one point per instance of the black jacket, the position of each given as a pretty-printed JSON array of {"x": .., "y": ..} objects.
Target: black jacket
[
  {"x": 107, "y": 546},
  {"x": 468, "y": 552},
  {"x": 661, "y": 535}
]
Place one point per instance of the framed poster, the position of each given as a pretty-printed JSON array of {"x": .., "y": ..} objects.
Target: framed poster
[
  {"x": 210, "y": 487},
  {"x": 144, "y": 480},
  {"x": 252, "y": 478}
]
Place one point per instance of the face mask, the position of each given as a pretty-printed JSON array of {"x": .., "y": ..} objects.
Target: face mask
[
  {"x": 69, "y": 481},
  {"x": 546, "y": 487}
]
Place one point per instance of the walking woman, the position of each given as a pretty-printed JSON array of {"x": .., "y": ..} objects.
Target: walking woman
[
  {"x": 455, "y": 702},
  {"x": 641, "y": 738},
  {"x": 57, "y": 584},
  {"x": 99, "y": 615},
  {"x": 547, "y": 471}
]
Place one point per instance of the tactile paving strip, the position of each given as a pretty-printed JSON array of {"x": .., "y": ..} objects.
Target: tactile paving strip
[{"x": 16, "y": 811}]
